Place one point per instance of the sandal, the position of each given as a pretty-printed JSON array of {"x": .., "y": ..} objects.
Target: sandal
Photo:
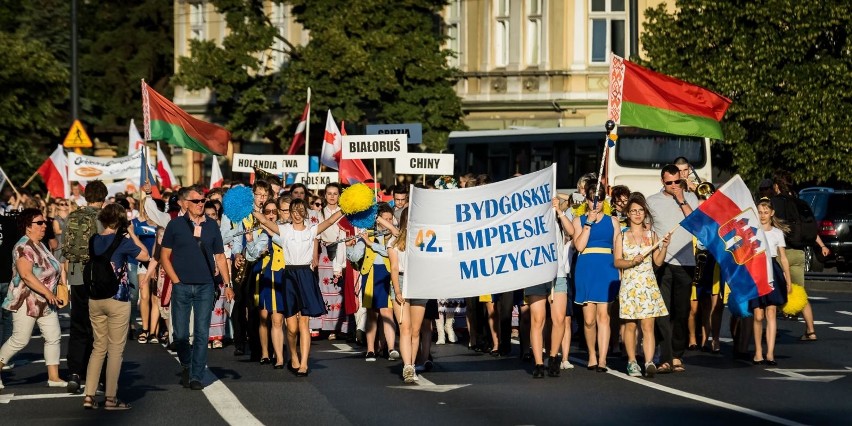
[
  {"x": 217, "y": 344},
  {"x": 666, "y": 368},
  {"x": 115, "y": 404},
  {"x": 143, "y": 337},
  {"x": 808, "y": 337},
  {"x": 89, "y": 403},
  {"x": 678, "y": 368}
]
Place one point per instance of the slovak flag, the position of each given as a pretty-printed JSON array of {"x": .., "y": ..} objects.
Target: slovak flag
[
  {"x": 216, "y": 179},
  {"x": 54, "y": 171},
  {"x": 332, "y": 144},
  {"x": 167, "y": 178},
  {"x": 728, "y": 226}
]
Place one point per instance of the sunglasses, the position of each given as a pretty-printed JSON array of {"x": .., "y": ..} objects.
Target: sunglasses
[
  {"x": 39, "y": 222},
  {"x": 198, "y": 201},
  {"x": 318, "y": 204},
  {"x": 270, "y": 211},
  {"x": 673, "y": 182}
]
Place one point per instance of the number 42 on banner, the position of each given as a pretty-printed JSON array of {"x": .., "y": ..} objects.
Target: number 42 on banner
[{"x": 425, "y": 241}]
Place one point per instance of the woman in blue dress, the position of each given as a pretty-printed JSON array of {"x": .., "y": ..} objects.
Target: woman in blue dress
[{"x": 597, "y": 280}]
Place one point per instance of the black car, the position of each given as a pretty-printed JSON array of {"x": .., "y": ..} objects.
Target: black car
[{"x": 833, "y": 212}]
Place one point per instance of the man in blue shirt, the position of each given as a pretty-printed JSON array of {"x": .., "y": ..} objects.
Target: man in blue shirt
[{"x": 192, "y": 254}]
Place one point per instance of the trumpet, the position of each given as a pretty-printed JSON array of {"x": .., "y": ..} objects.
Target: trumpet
[
  {"x": 372, "y": 232},
  {"x": 703, "y": 189},
  {"x": 269, "y": 177},
  {"x": 247, "y": 231}
]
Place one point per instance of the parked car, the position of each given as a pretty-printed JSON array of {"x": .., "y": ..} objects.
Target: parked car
[{"x": 833, "y": 212}]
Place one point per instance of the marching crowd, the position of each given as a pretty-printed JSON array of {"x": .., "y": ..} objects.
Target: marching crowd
[{"x": 295, "y": 268}]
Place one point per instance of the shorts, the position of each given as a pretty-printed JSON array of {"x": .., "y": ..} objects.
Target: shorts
[
  {"x": 419, "y": 302},
  {"x": 542, "y": 289},
  {"x": 143, "y": 269}
]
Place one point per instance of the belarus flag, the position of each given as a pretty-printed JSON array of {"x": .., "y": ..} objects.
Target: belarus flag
[
  {"x": 728, "y": 226},
  {"x": 54, "y": 171},
  {"x": 167, "y": 178}
]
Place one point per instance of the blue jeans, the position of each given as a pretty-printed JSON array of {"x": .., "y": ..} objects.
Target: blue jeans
[{"x": 199, "y": 300}]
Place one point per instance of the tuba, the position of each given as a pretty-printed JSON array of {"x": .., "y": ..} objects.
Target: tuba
[{"x": 269, "y": 177}]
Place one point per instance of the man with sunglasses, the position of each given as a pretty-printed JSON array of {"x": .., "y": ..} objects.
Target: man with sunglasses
[
  {"x": 668, "y": 208},
  {"x": 192, "y": 254}
]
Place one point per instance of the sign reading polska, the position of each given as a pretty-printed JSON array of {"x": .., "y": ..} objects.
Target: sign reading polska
[
  {"x": 317, "y": 180},
  {"x": 414, "y": 131},
  {"x": 425, "y": 164},
  {"x": 374, "y": 146},
  {"x": 483, "y": 240},
  {"x": 275, "y": 164}
]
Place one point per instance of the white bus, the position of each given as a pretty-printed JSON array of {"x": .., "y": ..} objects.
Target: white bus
[{"x": 635, "y": 161}]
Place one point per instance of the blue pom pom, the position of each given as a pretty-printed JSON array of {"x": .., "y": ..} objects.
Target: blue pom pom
[
  {"x": 238, "y": 203},
  {"x": 365, "y": 219}
]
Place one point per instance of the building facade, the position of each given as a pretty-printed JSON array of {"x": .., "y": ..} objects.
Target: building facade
[{"x": 526, "y": 63}]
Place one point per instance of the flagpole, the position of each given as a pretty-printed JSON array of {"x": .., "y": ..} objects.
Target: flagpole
[
  {"x": 308, "y": 126},
  {"x": 9, "y": 181},
  {"x": 30, "y": 179},
  {"x": 375, "y": 181},
  {"x": 609, "y": 126}
]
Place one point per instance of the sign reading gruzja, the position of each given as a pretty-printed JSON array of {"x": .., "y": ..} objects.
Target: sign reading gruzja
[
  {"x": 425, "y": 164},
  {"x": 374, "y": 146},
  {"x": 275, "y": 164},
  {"x": 414, "y": 131}
]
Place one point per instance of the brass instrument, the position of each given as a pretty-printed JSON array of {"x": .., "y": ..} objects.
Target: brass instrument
[
  {"x": 269, "y": 177},
  {"x": 372, "y": 232},
  {"x": 703, "y": 189},
  {"x": 248, "y": 231}
]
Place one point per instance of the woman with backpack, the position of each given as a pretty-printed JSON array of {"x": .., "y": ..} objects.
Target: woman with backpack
[
  {"x": 109, "y": 304},
  {"x": 32, "y": 295}
]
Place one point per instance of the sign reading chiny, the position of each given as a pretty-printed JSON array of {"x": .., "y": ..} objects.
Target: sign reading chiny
[
  {"x": 486, "y": 239},
  {"x": 374, "y": 146},
  {"x": 425, "y": 164},
  {"x": 86, "y": 168},
  {"x": 275, "y": 164}
]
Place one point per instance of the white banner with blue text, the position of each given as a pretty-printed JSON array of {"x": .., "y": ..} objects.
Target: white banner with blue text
[{"x": 483, "y": 240}]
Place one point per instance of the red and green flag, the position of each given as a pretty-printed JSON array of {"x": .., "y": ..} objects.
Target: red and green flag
[
  {"x": 646, "y": 99},
  {"x": 164, "y": 121}
]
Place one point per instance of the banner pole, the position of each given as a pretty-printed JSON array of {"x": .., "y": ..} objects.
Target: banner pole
[
  {"x": 609, "y": 126},
  {"x": 9, "y": 181},
  {"x": 375, "y": 181},
  {"x": 30, "y": 179}
]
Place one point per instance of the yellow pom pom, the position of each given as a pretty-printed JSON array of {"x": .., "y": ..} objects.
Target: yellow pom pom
[
  {"x": 796, "y": 300},
  {"x": 356, "y": 198},
  {"x": 613, "y": 137}
]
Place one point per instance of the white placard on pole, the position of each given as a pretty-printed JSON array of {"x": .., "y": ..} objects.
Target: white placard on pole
[
  {"x": 425, "y": 164},
  {"x": 275, "y": 164},
  {"x": 317, "y": 180},
  {"x": 374, "y": 146}
]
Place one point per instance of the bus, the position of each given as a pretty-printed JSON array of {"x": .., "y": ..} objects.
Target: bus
[{"x": 635, "y": 161}]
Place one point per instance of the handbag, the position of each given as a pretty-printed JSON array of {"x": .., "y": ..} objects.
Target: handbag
[{"x": 61, "y": 292}]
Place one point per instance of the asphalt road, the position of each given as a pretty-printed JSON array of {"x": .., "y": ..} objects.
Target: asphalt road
[{"x": 811, "y": 385}]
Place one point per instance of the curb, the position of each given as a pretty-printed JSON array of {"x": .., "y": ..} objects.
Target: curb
[{"x": 829, "y": 286}]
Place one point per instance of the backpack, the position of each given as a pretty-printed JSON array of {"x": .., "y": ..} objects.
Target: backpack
[
  {"x": 98, "y": 275},
  {"x": 79, "y": 227},
  {"x": 803, "y": 226}
]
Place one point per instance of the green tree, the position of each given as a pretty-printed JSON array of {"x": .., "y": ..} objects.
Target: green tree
[
  {"x": 367, "y": 70},
  {"x": 32, "y": 86},
  {"x": 786, "y": 66}
]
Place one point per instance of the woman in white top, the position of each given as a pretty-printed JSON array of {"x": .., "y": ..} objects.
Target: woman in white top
[{"x": 301, "y": 290}]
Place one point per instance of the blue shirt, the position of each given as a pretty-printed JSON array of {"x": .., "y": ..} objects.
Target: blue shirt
[
  {"x": 147, "y": 235},
  {"x": 187, "y": 259},
  {"x": 125, "y": 250}
]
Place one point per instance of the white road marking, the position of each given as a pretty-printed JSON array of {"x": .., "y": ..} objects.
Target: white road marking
[
  {"x": 342, "y": 348},
  {"x": 9, "y": 397},
  {"x": 818, "y": 322},
  {"x": 817, "y": 298},
  {"x": 41, "y": 337},
  {"x": 694, "y": 397},
  {"x": 844, "y": 312},
  {"x": 41, "y": 361},
  {"x": 842, "y": 328},
  {"x": 425, "y": 385},
  {"x": 795, "y": 374}
]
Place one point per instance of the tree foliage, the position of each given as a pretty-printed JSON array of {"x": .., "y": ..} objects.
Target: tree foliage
[
  {"x": 786, "y": 66},
  {"x": 370, "y": 61}
]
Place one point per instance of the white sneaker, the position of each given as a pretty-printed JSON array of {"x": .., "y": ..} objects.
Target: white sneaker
[
  {"x": 1, "y": 384},
  {"x": 416, "y": 377},
  {"x": 566, "y": 365},
  {"x": 59, "y": 384},
  {"x": 408, "y": 374},
  {"x": 393, "y": 355},
  {"x": 9, "y": 366}
]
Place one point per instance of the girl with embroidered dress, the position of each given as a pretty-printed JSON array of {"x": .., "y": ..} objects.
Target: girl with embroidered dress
[
  {"x": 302, "y": 297},
  {"x": 597, "y": 280},
  {"x": 767, "y": 306},
  {"x": 332, "y": 262},
  {"x": 270, "y": 279},
  {"x": 640, "y": 298}
]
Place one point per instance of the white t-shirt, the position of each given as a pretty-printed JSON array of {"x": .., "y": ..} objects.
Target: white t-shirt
[
  {"x": 667, "y": 215},
  {"x": 775, "y": 239},
  {"x": 298, "y": 245}
]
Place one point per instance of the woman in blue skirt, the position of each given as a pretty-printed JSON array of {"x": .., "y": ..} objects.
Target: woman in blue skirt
[
  {"x": 766, "y": 306},
  {"x": 302, "y": 294},
  {"x": 597, "y": 280}
]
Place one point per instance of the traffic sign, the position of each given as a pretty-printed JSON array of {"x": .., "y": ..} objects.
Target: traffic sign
[{"x": 77, "y": 137}]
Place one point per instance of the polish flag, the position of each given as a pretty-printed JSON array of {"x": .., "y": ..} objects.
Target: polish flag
[
  {"x": 352, "y": 171},
  {"x": 301, "y": 130},
  {"x": 332, "y": 144},
  {"x": 134, "y": 139},
  {"x": 216, "y": 179},
  {"x": 167, "y": 178},
  {"x": 54, "y": 171}
]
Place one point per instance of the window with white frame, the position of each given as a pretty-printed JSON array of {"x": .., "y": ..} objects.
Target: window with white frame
[
  {"x": 196, "y": 20},
  {"x": 454, "y": 32},
  {"x": 501, "y": 33},
  {"x": 534, "y": 32},
  {"x": 279, "y": 20},
  {"x": 607, "y": 26}
]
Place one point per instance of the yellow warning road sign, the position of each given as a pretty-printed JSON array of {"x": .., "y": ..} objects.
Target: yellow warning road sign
[{"x": 77, "y": 137}]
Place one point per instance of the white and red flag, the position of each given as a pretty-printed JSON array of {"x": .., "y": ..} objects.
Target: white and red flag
[
  {"x": 216, "y": 179},
  {"x": 352, "y": 171},
  {"x": 301, "y": 135},
  {"x": 167, "y": 178},
  {"x": 54, "y": 171},
  {"x": 134, "y": 139},
  {"x": 332, "y": 144}
]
